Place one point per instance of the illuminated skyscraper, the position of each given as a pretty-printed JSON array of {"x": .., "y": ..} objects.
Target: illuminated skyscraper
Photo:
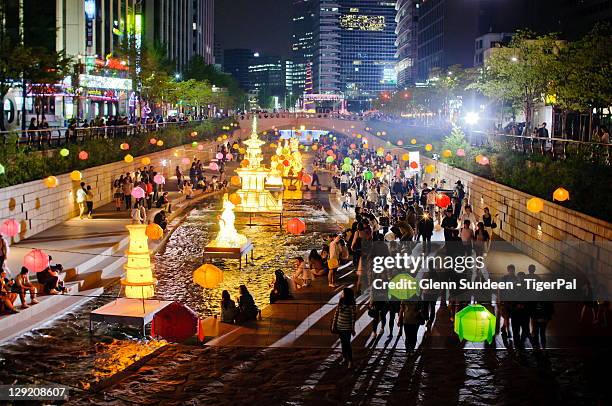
[
  {"x": 407, "y": 29},
  {"x": 302, "y": 41}
]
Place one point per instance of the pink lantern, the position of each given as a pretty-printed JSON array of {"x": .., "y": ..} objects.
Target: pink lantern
[
  {"x": 213, "y": 166},
  {"x": 138, "y": 193},
  {"x": 9, "y": 228},
  {"x": 484, "y": 161},
  {"x": 185, "y": 161},
  {"x": 200, "y": 147},
  {"x": 36, "y": 260},
  {"x": 159, "y": 179},
  {"x": 83, "y": 155},
  {"x": 229, "y": 157},
  {"x": 460, "y": 152},
  {"x": 219, "y": 155}
]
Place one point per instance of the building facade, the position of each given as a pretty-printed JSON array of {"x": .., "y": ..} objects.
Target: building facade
[
  {"x": 267, "y": 81},
  {"x": 487, "y": 41},
  {"x": 302, "y": 41},
  {"x": 407, "y": 19},
  {"x": 326, "y": 60},
  {"x": 236, "y": 62}
]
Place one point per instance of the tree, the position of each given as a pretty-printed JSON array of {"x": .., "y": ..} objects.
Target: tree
[{"x": 199, "y": 70}]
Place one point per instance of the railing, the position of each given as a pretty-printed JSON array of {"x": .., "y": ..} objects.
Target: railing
[
  {"x": 54, "y": 137},
  {"x": 332, "y": 116}
]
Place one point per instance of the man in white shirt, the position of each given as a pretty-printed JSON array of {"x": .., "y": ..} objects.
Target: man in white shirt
[{"x": 81, "y": 198}]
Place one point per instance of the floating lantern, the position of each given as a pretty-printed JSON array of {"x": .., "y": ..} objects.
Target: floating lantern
[
  {"x": 194, "y": 144},
  {"x": 405, "y": 157},
  {"x": 235, "y": 146},
  {"x": 347, "y": 161},
  {"x": 535, "y": 205},
  {"x": 561, "y": 194},
  {"x": 185, "y": 161},
  {"x": 76, "y": 176},
  {"x": 413, "y": 141},
  {"x": 442, "y": 200},
  {"x": 242, "y": 150},
  {"x": 160, "y": 143},
  {"x": 329, "y": 159},
  {"x": 430, "y": 168},
  {"x": 64, "y": 152},
  {"x": 208, "y": 276},
  {"x": 145, "y": 161},
  {"x": 9, "y": 228},
  {"x": 50, "y": 181},
  {"x": 235, "y": 199},
  {"x": 389, "y": 158},
  {"x": 353, "y": 146},
  {"x": 428, "y": 147},
  {"x": 447, "y": 153},
  {"x": 213, "y": 166},
  {"x": 235, "y": 180},
  {"x": 124, "y": 146},
  {"x": 154, "y": 231},
  {"x": 159, "y": 179},
  {"x": 244, "y": 163},
  {"x": 219, "y": 155},
  {"x": 346, "y": 167},
  {"x": 138, "y": 282},
  {"x": 414, "y": 165},
  {"x": 296, "y": 226},
  {"x": 152, "y": 141},
  {"x": 460, "y": 152},
  {"x": 286, "y": 162},
  {"x": 83, "y": 155},
  {"x": 475, "y": 323},
  {"x": 138, "y": 193},
  {"x": 484, "y": 161},
  {"x": 380, "y": 151},
  {"x": 36, "y": 261},
  {"x": 128, "y": 158},
  {"x": 329, "y": 152},
  {"x": 368, "y": 175}
]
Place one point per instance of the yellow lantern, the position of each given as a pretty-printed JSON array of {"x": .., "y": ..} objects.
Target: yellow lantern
[
  {"x": 478, "y": 157},
  {"x": 145, "y": 161},
  {"x": 430, "y": 168},
  {"x": 242, "y": 150},
  {"x": 160, "y": 143},
  {"x": 561, "y": 195},
  {"x": 128, "y": 158},
  {"x": 208, "y": 276},
  {"x": 428, "y": 147},
  {"x": 358, "y": 135},
  {"x": 447, "y": 153},
  {"x": 50, "y": 181},
  {"x": 138, "y": 282},
  {"x": 535, "y": 205},
  {"x": 235, "y": 199},
  {"x": 235, "y": 146},
  {"x": 413, "y": 141},
  {"x": 224, "y": 136},
  {"x": 76, "y": 176},
  {"x": 235, "y": 180},
  {"x": 405, "y": 157},
  {"x": 219, "y": 139}
]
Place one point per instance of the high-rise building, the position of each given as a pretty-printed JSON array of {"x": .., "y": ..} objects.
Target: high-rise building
[
  {"x": 236, "y": 63},
  {"x": 218, "y": 53},
  {"x": 267, "y": 80},
  {"x": 326, "y": 60},
  {"x": 407, "y": 19},
  {"x": 367, "y": 50},
  {"x": 302, "y": 40}
]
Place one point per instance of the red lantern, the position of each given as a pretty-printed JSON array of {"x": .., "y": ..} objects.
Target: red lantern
[
  {"x": 36, "y": 261},
  {"x": 9, "y": 228},
  {"x": 414, "y": 165},
  {"x": 442, "y": 200},
  {"x": 296, "y": 226},
  {"x": 286, "y": 162},
  {"x": 83, "y": 155},
  {"x": 175, "y": 323},
  {"x": 306, "y": 179}
]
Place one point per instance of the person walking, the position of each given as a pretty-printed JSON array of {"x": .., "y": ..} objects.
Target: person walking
[
  {"x": 89, "y": 200},
  {"x": 333, "y": 261},
  {"x": 343, "y": 324},
  {"x": 81, "y": 199},
  {"x": 127, "y": 192},
  {"x": 410, "y": 319}
]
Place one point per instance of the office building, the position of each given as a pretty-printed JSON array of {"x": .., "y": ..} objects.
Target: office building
[
  {"x": 488, "y": 41},
  {"x": 218, "y": 55},
  {"x": 267, "y": 80},
  {"x": 236, "y": 63},
  {"x": 326, "y": 60},
  {"x": 407, "y": 19},
  {"x": 303, "y": 29}
]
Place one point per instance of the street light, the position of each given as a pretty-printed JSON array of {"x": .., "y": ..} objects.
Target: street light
[
  {"x": 177, "y": 76},
  {"x": 472, "y": 118}
]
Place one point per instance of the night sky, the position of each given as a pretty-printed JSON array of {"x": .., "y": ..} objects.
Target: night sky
[{"x": 262, "y": 25}]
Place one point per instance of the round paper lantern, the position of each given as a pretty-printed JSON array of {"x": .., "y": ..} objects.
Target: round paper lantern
[
  {"x": 414, "y": 165},
  {"x": 50, "y": 181},
  {"x": 200, "y": 147},
  {"x": 400, "y": 142},
  {"x": 286, "y": 162},
  {"x": 346, "y": 167},
  {"x": 442, "y": 200},
  {"x": 315, "y": 147},
  {"x": 484, "y": 161},
  {"x": 242, "y": 150},
  {"x": 405, "y": 157},
  {"x": 306, "y": 179},
  {"x": 368, "y": 175},
  {"x": 9, "y": 228},
  {"x": 83, "y": 155},
  {"x": 428, "y": 147},
  {"x": 213, "y": 166},
  {"x": 535, "y": 205},
  {"x": 272, "y": 145},
  {"x": 358, "y": 135},
  {"x": 561, "y": 194},
  {"x": 219, "y": 155},
  {"x": 194, "y": 133},
  {"x": 154, "y": 231},
  {"x": 76, "y": 176},
  {"x": 208, "y": 276},
  {"x": 235, "y": 199},
  {"x": 138, "y": 193},
  {"x": 380, "y": 151},
  {"x": 224, "y": 136},
  {"x": 447, "y": 153},
  {"x": 219, "y": 139},
  {"x": 152, "y": 141},
  {"x": 329, "y": 152},
  {"x": 194, "y": 144},
  {"x": 389, "y": 158},
  {"x": 229, "y": 157},
  {"x": 235, "y": 146},
  {"x": 430, "y": 168},
  {"x": 235, "y": 180},
  {"x": 145, "y": 161},
  {"x": 159, "y": 179},
  {"x": 413, "y": 141},
  {"x": 347, "y": 160},
  {"x": 128, "y": 158},
  {"x": 460, "y": 152},
  {"x": 36, "y": 261},
  {"x": 124, "y": 146},
  {"x": 475, "y": 323},
  {"x": 280, "y": 167},
  {"x": 185, "y": 161},
  {"x": 353, "y": 146},
  {"x": 64, "y": 152},
  {"x": 329, "y": 159},
  {"x": 296, "y": 226},
  {"x": 477, "y": 158},
  {"x": 160, "y": 143},
  {"x": 244, "y": 163}
]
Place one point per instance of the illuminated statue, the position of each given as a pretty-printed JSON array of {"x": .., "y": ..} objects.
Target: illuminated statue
[{"x": 228, "y": 236}]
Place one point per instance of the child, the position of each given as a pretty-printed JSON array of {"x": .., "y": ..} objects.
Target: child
[{"x": 302, "y": 275}]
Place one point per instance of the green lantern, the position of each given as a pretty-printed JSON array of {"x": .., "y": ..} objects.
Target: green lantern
[
  {"x": 404, "y": 287},
  {"x": 348, "y": 161},
  {"x": 2, "y": 170},
  {"x": 329, "y": 159},
  {"x": 194, "y": 144},
  {"x": 368, "y": 175},
  {"x": 475, "y": 323},
  {"x": 64, "y": 152},
  {"x": 346, "y": 167}
]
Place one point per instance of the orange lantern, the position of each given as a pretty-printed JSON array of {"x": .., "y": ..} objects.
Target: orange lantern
[
  {"x": 315, "y": 147},
  {"x": 83, "y": 155},
  {"x": 414, "y": 165},
  {"x": 286, "y": 162},
  {"x": 208, "y": 276},
  {"x": 388, "y": 158},
  {"x": 244, "y": 162},
  {"x": 128, "y": 158},
  {"x": 152, "y": 141},
  {"x": 296, "y": 226},
  {"x": 447, "y": 153},
  {"x": 535, "y": 205},
  {"x": 280, "y": 167},
  {"x": 442, "y": 200},
  {"x": 154, "y": 231},
  {"x": 330, "y": 152},
  {"x": 561, "y": 195},
  {"x": 50, "y": 181},
  {"x": 306, "y": 179},
  {"x": 235, "y": 180},
  {"x": 76, "y": 176},
  {"x": 353, "y": 146},
  {"x": 145, "y": 161},
  {"x": 124, "y": 146},
  {"x": 430, "y": 168},
  {"x": 235, "y": 199}
]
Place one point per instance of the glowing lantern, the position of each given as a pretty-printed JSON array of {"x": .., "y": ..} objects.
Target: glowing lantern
[
  {"x": 330, "y": 152},
  {"x": 380, "y": 151},
  {"x": 430, "y": 168},
  {"x": 2, "y": 170},
  {"x": 535, "y": 205},
  {"x": 224, "y": 136},
  {"x": 244, "y": 163},
  {"x": 145, "y": 161},
  {"x": 315, "y": 147},
  {"x": 280, "y": 167},
  {"x": 242, "y": 150},
  {"x": 194, "y": 133},
  {"x": 447, "y": 153},
  {"x": 346, "y": 167},
  {"x": 368, "y": 175},
  {"x": 235, "y": 180},
  {"x": 460, "y": 152},
  {"x": 442, "y": 200},
  {"x": 306, "y": 179},
  {"x": 414, "y": 165},
  {"x": 213, "y": 166},
  {"x": 208, "y": 276},
  {"x": 160, "y": 143},
  {"x": 405, "y": 157},
  {"x": 83, "y": 155},
  {"x": 64, "y": 152},
  {"x": 76, "y": 176},
  {"x": 272, "y": 145},
  {"x": 36, "y": 261},
  {"x": 128, "y": 158},
  {"x": 138, "y": 193},
  {"x": 329, "y": 159},
  {"x": 235, "y": 146},
  {"x": 561, "y": 194},
  {"x": 353, "y": 146},
  {"x": 9, "y": 228},
  {"x": 477, "y": 158},
  {"x": 159, "y": 179},
  {"x": 475, "y": 323},
  {"x": 152, "y": 141},
  {"x": 413, "y": 141},
  {"x": 428, "y": 147},
  {"x": 347, "y": 161},
  {"x": 286, "y": 162},
  {"x": 200, "y": 147},
  {"x": 219, "y": 139},
  {"x": 235, "y": 199},
  {"x": 219, "y": 155},
  {"x": 124, "y": 146},
  {"x": 154, "y": 231},
  {"x": 389, "y": 158},
  {"x": 296, "y": 226},
  {"x": 50, "y": 181},
  {"x": 138, "y": 282},
  {"x": 484, "y": 161},
  {"x": 400, "y": 142},
  {"x": 194, "y": 144}
]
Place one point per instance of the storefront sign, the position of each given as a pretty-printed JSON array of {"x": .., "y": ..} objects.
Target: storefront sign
[{"x": 103, "y": 82}]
